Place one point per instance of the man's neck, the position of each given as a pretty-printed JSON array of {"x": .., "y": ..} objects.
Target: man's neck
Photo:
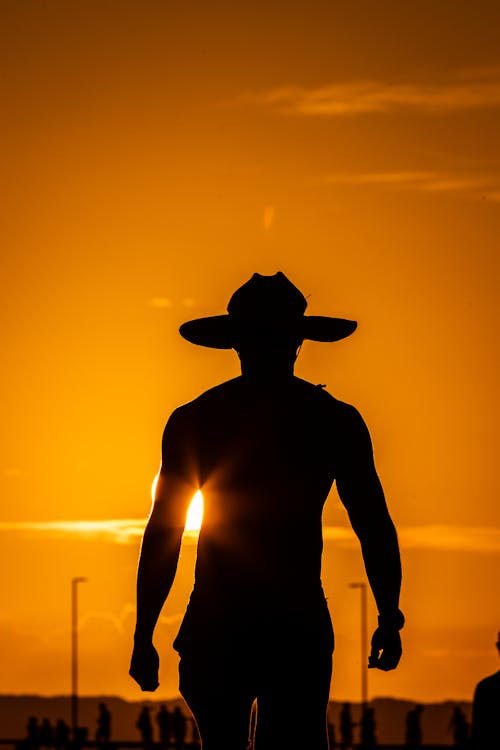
[{"x": 267, "y": 371}]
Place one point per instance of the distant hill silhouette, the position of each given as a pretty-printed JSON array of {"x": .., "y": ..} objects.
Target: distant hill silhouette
[{"x": 390, "y": 715}]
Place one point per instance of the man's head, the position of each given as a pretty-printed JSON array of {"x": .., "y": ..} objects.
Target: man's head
[{"x": 265, "y": 317}]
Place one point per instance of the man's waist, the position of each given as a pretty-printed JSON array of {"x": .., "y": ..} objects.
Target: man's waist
[{"x": 275, "y": 595}]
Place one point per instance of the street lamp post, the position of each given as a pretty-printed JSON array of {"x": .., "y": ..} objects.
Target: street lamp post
[
  {"x": 364, "y": 641},
  {"x": 74, "y": 655}
]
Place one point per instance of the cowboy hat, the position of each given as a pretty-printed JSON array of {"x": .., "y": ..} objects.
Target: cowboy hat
[{"x": 266, "y": 305}]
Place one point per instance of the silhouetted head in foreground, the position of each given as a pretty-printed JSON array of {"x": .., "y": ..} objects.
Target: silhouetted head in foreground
[{"x": 266, "y": 325}]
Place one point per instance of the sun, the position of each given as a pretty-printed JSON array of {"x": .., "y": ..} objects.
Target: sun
[{"x": 194, "y": 515}]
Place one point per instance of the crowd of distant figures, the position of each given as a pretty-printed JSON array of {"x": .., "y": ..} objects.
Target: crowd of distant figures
[
  {"x": 366, "y": 739},
  {"x": 176, "y": 730}
]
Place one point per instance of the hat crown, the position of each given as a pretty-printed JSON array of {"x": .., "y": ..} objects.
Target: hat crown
[
  {"x": 267, "y": 297},
  {"x": 270, "y": 307}
]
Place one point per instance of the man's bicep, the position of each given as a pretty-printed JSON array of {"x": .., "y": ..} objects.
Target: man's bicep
[
  {"x": 357, "y": 480},
  {"x": 176, "y": 482},
  {"x": 355, "y": 452}
]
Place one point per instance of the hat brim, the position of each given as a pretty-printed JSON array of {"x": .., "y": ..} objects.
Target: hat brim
[{"x": 217, "y": 331}]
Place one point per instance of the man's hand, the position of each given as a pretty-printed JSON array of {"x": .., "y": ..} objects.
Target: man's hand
[
  {"x": 386, "y": 649},
  {"x": 144, "y": 665}
]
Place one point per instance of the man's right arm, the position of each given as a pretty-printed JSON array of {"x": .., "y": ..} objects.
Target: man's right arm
[
  {"x": 361, "y": 493},
  {"x": 161, "y": 546}
]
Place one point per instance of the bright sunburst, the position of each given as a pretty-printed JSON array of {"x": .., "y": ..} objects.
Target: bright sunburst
[{"x": 194, "y": 515}]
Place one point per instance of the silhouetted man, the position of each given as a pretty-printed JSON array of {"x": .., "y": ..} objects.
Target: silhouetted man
[
  {"x": 62, "y": 734},
  {"x": 368, "y": 738},
  {"x": 459, "y": 727},
  {"x": 103, "y": 732},
  {"x": 164, "y": 721},
  {"x": 265, "y": 449},
  {"x": 145, "y": 726},
  {"x": 32, "y": 732},
  {"x": 346, "y": 726},
  {"x": 46, "y": 734},
  {"x": 485, "y": 730},
  {"x": 414, "y": 726}
]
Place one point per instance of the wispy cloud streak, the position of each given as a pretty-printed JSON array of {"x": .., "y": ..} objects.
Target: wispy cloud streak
[
  {"x": 122, "y": 531},
  {"x": 486, "y": 185},
  {"x": 439, "y": 537},
  {"x": 442, "y": 537},
  {"x": 472, "y": 91}
]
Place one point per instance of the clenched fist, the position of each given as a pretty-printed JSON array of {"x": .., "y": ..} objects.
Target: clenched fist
[
  {"x": 144, "y": 665},
  {"x": 386, "y": 649}
]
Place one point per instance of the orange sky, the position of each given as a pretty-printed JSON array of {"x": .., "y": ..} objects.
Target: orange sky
[{"x": 156, "y": 154}]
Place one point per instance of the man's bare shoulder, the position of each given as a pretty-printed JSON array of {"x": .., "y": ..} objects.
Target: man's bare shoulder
[
  {"x": 223, "y": 397},
  {"x": 188, "y": 411},
  {"x": 216, "y": 393},
  {"x": 342, "y": 410}
]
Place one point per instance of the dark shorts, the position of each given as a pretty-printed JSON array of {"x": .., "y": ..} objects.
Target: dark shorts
[{"x": 287, "y": 672}]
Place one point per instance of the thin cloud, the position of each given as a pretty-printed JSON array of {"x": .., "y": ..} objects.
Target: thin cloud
[
  {"x": 424, "y": 182},
  {"x": 122, "y": 531},
  {"x": 119, "y": 531},
  {"x": 442, "y": 537},
  {"x": 451, "y": 538},
  {"x": 438, "y": 537},
  {"x": 475, "y": 90},
  {"x": 163, "y": 303},
  {"x": 118, "y": 622},
  {"x": 376, "y": 178},
  {"x": 160, "y": 303}
]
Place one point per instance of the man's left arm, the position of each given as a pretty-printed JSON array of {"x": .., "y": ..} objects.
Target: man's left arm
[{"x": 361, "y": 492}]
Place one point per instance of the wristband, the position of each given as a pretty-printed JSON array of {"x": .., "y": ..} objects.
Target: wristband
[{"x": 392, "y": 621}]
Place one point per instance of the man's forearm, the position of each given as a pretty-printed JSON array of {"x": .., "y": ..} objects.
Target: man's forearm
[
  {"x": 156, "y": 571},
  {"x": 382, "y": 561}
]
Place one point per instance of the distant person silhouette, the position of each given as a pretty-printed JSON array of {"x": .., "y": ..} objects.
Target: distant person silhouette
[
  {"x": 485, "y": 729},
  {"x": 459, "y": 727},
  {"x": 46, "y": 734},
  {"x": 414, "y": 726},
  {"x": 265, "y": 449},
  {"x": 164, "y": 721},
  {"x": 62, "y": 733},
  {"x": 145, "y": 726},
  {"x": 368, "y": 738},
  {"x": 103, "y": 732},
  {"x": 32, "y": 731},
  {"x": 346, "y": 726}
]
